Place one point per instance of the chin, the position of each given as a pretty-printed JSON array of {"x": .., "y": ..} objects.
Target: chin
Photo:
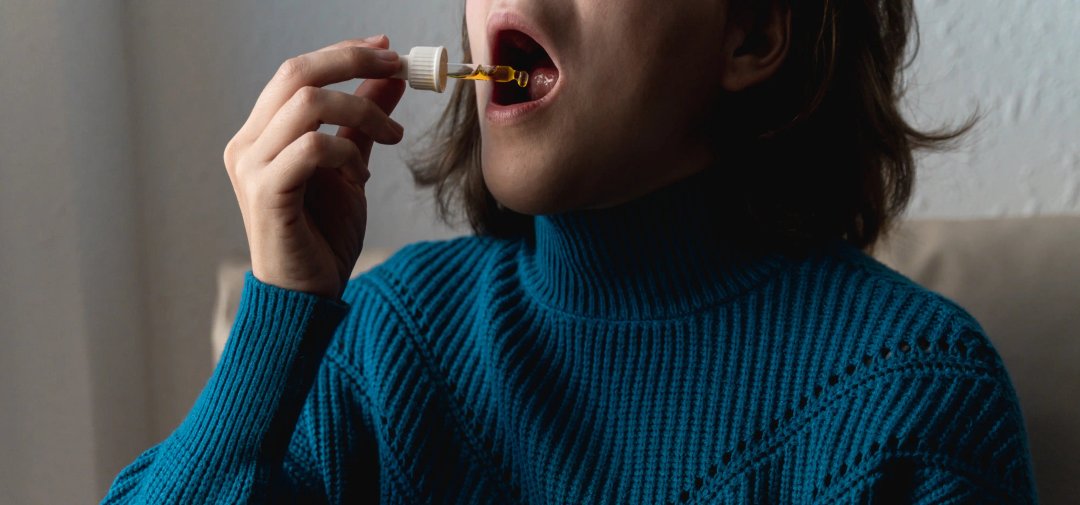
[{"x": 529, "y": 189}]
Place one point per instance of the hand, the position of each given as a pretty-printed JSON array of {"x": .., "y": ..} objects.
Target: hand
[{"x": 301, "y": 192}]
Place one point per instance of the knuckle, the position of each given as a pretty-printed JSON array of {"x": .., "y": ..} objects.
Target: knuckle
[
  {"x": 358, "y": 56},
  {"x": 365, "y": 174},
  {"x": 255, "y": 195},
  {"x": 365, "y": 105},
  {"x": 292, "y": 68},
  {"x": 258, "y": 190},
  {"x": 308, "y": 95},
  {"x": 354, "y": 156},
  {"x": 312, "y": 142},
  {"x": 357, "y": 163},
  {"x": 231, "y": 155},
  {"x": 368, "y": 111},
  {"x": 228, "y": 155}
]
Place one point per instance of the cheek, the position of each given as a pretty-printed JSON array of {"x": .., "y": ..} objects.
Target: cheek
[
  {"x": 476, "y": 12},
  {"x": 654, "y": 73},
  {"x": 654, "y": 48}
]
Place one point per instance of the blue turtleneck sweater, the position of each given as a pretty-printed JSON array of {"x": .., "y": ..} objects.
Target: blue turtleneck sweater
[{"x": 626, "y": 355}]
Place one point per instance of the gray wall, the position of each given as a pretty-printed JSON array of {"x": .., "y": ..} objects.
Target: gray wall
[
  {"x": 72, "y": 389},
  {"x": 115, "y": 210}
]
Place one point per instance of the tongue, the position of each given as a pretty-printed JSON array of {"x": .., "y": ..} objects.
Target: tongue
[{"x": 541, "y": 81}]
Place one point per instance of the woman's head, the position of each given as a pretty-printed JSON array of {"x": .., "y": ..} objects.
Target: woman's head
[
  {"x": 793, "y": 104},
  {"x": 635, "y": 81}
]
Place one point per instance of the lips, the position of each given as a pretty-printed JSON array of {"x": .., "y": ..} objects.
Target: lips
[{"x": 513, "y": 44}]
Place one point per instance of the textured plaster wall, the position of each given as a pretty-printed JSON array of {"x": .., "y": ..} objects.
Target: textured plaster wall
[{"x": 1019, "y": 62}]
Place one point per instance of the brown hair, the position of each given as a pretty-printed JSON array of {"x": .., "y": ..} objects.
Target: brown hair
[{"x": 821, "y": 150}]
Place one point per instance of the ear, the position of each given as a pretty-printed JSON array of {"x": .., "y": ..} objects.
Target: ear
[{"x": 755, "y": 44}]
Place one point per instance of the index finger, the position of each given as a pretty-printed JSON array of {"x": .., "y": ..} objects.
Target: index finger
[{"x": 319, "y": 68}]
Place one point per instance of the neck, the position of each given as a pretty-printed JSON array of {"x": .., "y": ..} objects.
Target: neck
[{"x": 666, "y": 254}]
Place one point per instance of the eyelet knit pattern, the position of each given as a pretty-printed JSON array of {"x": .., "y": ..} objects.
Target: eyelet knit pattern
[{"x": 629, "y": 355}]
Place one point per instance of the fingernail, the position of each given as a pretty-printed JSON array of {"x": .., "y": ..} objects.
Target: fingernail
[
  {"x": 374, "y": 38},
  {"x": 386, "y": 55}
]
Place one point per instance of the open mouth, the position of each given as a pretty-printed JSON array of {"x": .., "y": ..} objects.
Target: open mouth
[{"x": 520, "y": 51}]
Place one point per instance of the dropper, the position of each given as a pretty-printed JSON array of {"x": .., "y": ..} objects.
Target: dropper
[
  {"x": 427, "y": 68},
  {"x": 497, "y": 73}
]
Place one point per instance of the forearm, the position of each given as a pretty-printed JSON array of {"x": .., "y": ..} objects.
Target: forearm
[{"x": 232, "y": 442}]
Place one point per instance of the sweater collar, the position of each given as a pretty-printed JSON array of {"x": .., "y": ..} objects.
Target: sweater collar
[{"x": 660, "y": 256}]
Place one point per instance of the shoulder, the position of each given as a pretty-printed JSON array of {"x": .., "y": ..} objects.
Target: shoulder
[
  {"x": 880, "y": 300},
  {"x": 854, "y": 314},
  {"x": 887, "y": 322},
  {"x": 917, "y": 379}
]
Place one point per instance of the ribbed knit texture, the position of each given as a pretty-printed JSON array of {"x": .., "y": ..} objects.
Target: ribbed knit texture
[{"x": 627, "y": 355}]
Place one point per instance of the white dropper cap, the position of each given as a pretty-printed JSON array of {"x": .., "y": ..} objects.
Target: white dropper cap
[{"x": 425, "y": 68}]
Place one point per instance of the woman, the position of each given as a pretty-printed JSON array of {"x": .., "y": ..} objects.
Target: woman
[{"x": 667, "y": 298}]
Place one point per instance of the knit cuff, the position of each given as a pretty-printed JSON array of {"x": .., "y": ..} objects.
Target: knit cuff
[{"x": 248, "y": 410}]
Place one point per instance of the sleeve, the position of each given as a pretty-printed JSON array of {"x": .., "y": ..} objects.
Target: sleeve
[
  {"x": 333, "y": 456},
  {"x": 231, "y": 447},
  {"x": 936, "y": 480},
  {"x": 975, "y": 450}
]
